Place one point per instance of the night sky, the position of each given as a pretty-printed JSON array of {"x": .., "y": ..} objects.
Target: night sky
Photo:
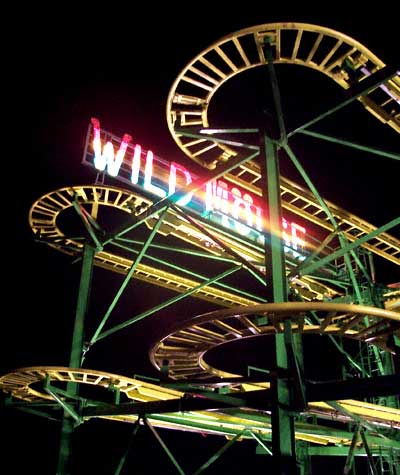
[{"x": 119, "y": 67}]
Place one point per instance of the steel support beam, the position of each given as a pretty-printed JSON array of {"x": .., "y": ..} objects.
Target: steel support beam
[
  {"x": 358, "y": 388},
  {"x": 125, "y": 455},
  {"x": 258, "y": 399},
  {"x": 218, "y": 454},
  {"x": 166, "y": 449},
  {"x": 172, "y": 199},
  {"x": 361, "y": 89},
  {"x": 76, "y": 356},
  {"x": 283, "y": 434},
  {"x": 368, "y": 452},
  {"x": 347, "y": 143},
  {"x": 167, "y": 303},
  {"x": 129, "y": 275}
]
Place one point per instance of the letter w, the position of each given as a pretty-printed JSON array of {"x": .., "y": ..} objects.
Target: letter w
[{"x": 106, "y": 157}]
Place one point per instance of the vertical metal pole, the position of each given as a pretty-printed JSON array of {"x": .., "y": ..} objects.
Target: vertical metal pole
[
  {"x": 303, "y": 458},
  {"x": 76, "y": 355},
  {"x": 283, "y": 435}
]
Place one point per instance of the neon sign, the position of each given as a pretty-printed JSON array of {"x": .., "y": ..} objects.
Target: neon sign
[{"x": 220, "y": 201}]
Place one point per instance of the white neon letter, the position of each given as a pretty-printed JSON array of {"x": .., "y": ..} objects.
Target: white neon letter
[
  {"x": 285, "y": 235},
  {"x": 244, "y": 203},
  {"x": 259, "y": 218},
  {"x": 148, "y": 173},
  {"x": 136, "y": 164},
  {"x": 172, "y": 183},
  {"x": 217, "y": 199},
  {"x": 209, "y": 201},
  {"x": 297, "y": 242},
  {"x": 106, "y": 157}
]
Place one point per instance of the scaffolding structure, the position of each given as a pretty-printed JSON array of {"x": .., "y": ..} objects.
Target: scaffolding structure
[{"x": 326, "y": 288}]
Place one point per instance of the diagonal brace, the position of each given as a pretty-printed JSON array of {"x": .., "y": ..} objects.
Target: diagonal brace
[
  {"x": 89, "y": 224},
  {"x": 368, "y": 452},
  {"x": 361, "y": 89},
  {"x": 162, "y": 443},
  {"x": 67, "y": 407},
  {"x": 168, "y": 302},
  {"x": 346, "y": 143},
  {"x": 218, "y": 454},
  {"x": 340, "y": 252},
  {"x": 193, "y": 187},
  {"x": 350, "y": 455},
  {"x": 129, "y": 275},
  {"x": 261, "y": 442},
  {"x": 245, "y": 263},
  {"x": 125, "y": 455}
]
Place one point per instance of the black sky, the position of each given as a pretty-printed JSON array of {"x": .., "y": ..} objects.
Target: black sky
[{"x": 119, "y": 67}]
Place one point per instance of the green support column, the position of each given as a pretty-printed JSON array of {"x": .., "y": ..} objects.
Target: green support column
[
  {"x": 76, "y": 356},
  {"x": 283, "y": 435}
]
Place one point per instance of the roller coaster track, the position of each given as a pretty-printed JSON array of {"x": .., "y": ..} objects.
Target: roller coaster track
[
  {"x": 28, "y": 385},
  {"x": 332, "y": 53},
  {"x": 46, "y": 212},
  {"x": 185, "y": 347}
]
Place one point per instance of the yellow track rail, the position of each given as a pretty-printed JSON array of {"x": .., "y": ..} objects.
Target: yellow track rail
[
  {"x": 185, "y": 348},
  {"x": 44, "y": 219},
  {"x": 322, "y": 49},
  {"x": 25, "y": 384},
  {"x": 330, "y": 52}
]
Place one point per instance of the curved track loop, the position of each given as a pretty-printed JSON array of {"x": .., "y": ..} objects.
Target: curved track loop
[
  {"x": 330, "y": 52},
  {"x": 27, "y": 384},
  {"x": 47, "y": 212},
  {"x": 20, "y": 383},
  {"x": 44, "y": 220},
  {"x": 186, "y": 346}
]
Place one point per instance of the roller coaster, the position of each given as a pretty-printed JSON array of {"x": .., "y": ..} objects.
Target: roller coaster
[{"x": 231, "y": 238}]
